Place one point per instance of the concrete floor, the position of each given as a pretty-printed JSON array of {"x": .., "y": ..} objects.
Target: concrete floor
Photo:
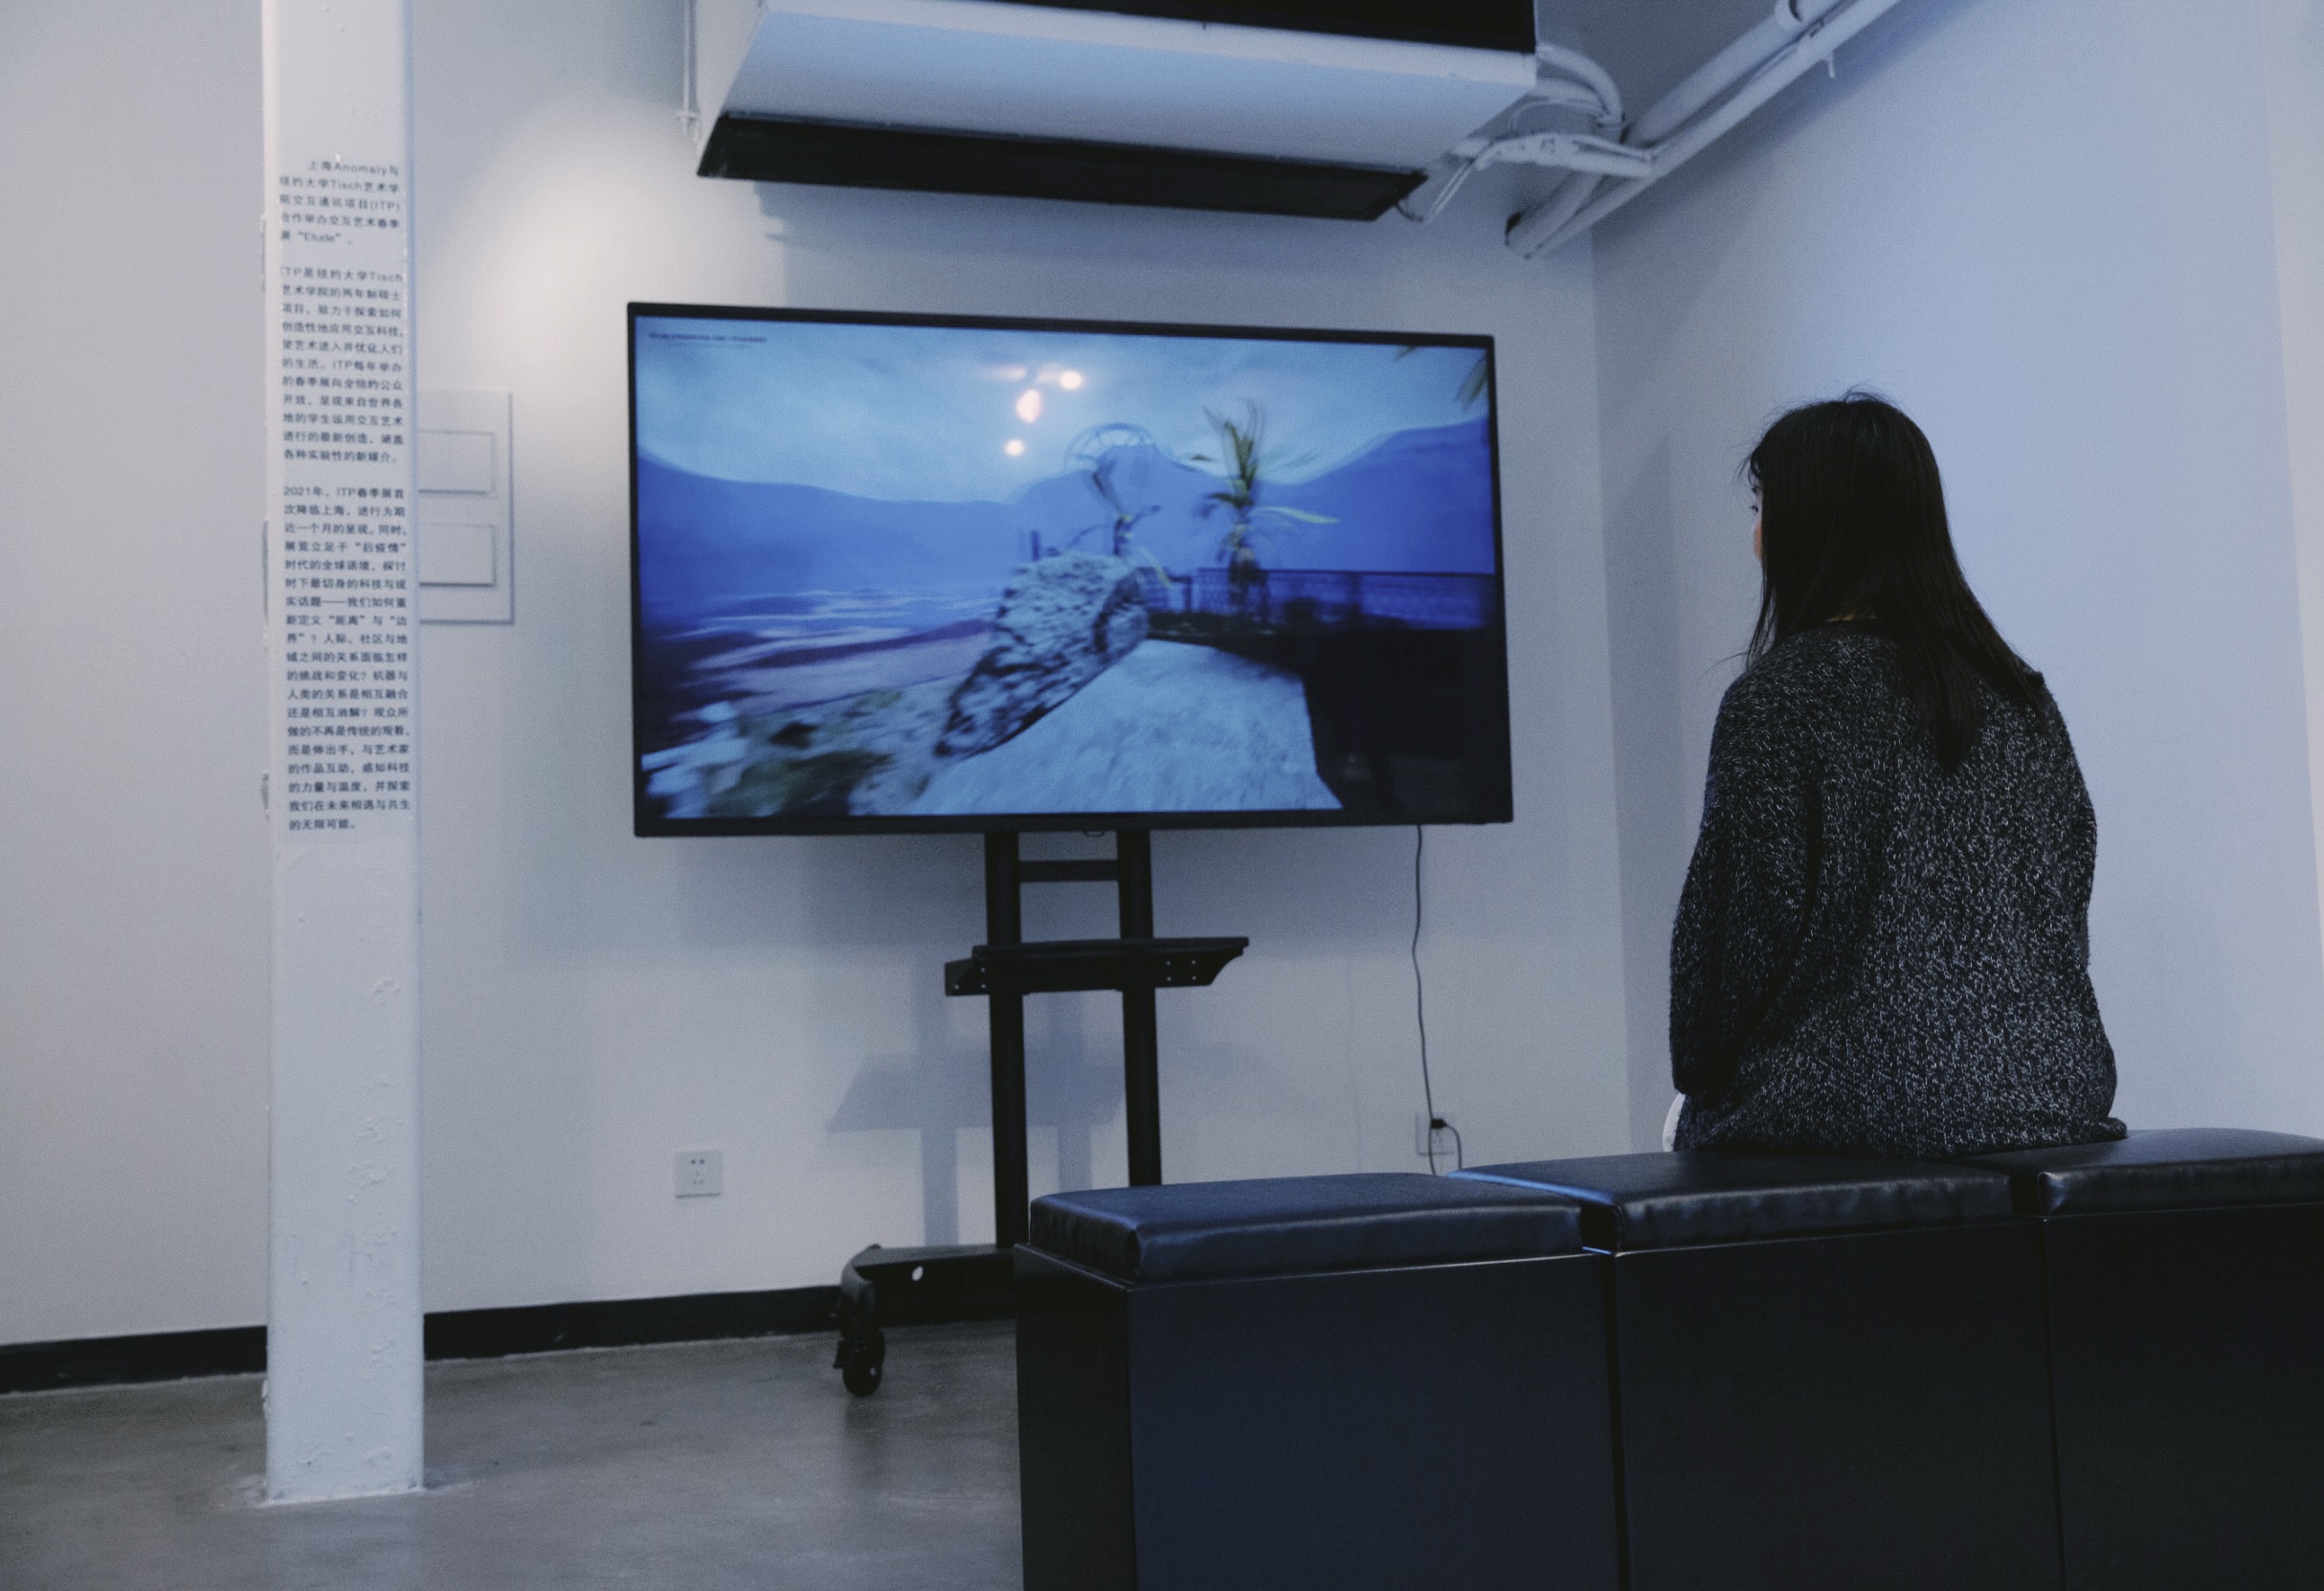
[{"x": 696, "y": 1467}]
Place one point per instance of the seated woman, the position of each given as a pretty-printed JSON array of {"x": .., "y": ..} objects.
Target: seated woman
[{"x": 1884, "y": 944}]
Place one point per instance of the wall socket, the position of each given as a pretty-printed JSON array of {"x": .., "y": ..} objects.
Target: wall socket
[
  {"x": 701, "y": 1173},
  {"x": 1447, "y": 1154}
]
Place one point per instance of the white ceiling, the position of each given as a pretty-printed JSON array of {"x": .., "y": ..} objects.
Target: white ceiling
[{"x": 1648, "y": 45}]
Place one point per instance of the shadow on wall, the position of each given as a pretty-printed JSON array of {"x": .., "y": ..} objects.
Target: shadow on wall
[
  {"x": 645, "y": 51},
  {"x": 1073, "y": 1087},
  {"x": 1650, "y": 780},
  {"x": 943, "y": 1084}
]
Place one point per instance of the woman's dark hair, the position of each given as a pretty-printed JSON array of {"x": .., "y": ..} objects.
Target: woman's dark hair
[{"x": 1852, "y": 525}]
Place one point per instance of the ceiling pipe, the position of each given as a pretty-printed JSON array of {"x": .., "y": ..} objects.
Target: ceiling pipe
[
  {"x": 1814, "y": 46},
  {"x": 1545, "y": 219},
  {"x": 1725, "y": 69},
  {"x": 1572, "y": 63},
  {"x": 1565, "y": 94},
  {"x": 1594, "y": 158},
  {"x": 1446, "y": 179},
  {"x": 1570, "y": 152},
  {"x": 1568, "y": 80}
]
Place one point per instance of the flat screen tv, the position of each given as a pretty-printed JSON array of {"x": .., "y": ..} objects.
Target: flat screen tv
[{"x": 911, "y": 574}]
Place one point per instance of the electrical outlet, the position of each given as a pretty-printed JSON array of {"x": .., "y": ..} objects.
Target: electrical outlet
[
  {"x": 1445, "y": 1146},
  {"x": 701, "y": 1173}
]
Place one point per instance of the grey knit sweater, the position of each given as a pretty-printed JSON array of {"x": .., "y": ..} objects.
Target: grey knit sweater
[{"x": 1872, "y": 955}]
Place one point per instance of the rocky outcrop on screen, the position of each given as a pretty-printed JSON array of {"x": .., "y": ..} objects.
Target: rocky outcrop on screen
[{"x": 1063, "y": 621}]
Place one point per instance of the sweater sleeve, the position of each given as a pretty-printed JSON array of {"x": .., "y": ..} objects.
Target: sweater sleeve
[{"x": 1749, "y": 885}]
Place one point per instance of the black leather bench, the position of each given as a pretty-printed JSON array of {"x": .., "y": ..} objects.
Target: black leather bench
[
  {"x": 1829, "y": 1373},
  {"x": 2186, "y": 1308},
  {"x": 1373, "y": 1380}
]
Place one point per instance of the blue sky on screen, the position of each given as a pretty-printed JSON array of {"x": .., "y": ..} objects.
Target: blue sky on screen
[{"x": 954, "y": 415}]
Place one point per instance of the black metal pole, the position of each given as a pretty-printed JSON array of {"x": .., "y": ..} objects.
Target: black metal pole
[
  {"x": 1004, "y": 924},
  {"x": 1141, "y": 1078}
]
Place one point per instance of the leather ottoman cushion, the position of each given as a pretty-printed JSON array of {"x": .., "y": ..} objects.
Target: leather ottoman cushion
[
  {"x": 2171, "y": 1169},
  {"x": 1273, "y": 1226},
  {"x": 1633, "y": 1201}
]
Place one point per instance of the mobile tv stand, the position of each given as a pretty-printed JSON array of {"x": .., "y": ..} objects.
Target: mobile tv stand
[{"x": 893, "y": 1287}]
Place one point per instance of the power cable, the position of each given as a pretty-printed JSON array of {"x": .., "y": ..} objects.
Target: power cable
[{"x": 1419, "y": 1007}]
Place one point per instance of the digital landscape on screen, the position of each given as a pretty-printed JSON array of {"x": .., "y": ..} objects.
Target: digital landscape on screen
[{"x": 898, "y": 574}]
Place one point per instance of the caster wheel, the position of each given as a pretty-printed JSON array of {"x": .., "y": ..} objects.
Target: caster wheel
[{"x": 862, "y": 1365}]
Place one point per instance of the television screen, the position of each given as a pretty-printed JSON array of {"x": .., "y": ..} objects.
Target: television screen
[{"x": 920, "y": 573}]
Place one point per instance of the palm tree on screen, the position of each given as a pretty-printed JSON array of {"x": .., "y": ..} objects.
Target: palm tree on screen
[
  {"x": 1244, "y": 460},
  {"x": 1473, "y": 385}
]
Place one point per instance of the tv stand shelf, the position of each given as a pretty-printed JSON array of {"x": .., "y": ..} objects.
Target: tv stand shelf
[{"x": 1061, "y": 966}]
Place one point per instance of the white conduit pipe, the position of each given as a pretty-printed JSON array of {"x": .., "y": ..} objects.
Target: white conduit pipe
[
  {"x": 1595, "y": 95},
  {"x": 1446, "y": 179},
  {"x": 689, "y": 69},
  {"x": 1563, "y": 204},
  {"x": 1592, "y": 157},
  {"x": 1727, "y": 68},
  {"x": 1812, "y": 49},
  {"x": 1556, "y": 58},
  {"x": 1565, "y": 94},
  {"x": 1568, "y": 152}
]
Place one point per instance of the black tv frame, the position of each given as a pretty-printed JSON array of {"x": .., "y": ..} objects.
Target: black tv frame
[{"x": 1497, "y": 806}]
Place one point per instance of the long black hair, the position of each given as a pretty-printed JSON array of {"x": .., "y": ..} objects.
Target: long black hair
[{"x": 1852, "y": 525}]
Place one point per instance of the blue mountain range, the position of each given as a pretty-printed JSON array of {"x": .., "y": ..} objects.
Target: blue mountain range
[{"x": 1417, "y": 501}]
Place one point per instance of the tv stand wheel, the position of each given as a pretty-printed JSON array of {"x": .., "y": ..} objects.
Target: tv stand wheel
[{"x": 862, "y": 1362}]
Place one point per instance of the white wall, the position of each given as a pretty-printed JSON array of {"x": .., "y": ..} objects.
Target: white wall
[
  {"x": 133, "y": 862},
  {"x": 594, "y": 1003},
  {"x": 2089, "y": 331},
  {"x": 2044, "y": 227},
  {"x": 597, "y": 1001}
]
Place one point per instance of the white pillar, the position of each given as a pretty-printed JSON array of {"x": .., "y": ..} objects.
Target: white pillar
[{"x": 342, "y": 1339}]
